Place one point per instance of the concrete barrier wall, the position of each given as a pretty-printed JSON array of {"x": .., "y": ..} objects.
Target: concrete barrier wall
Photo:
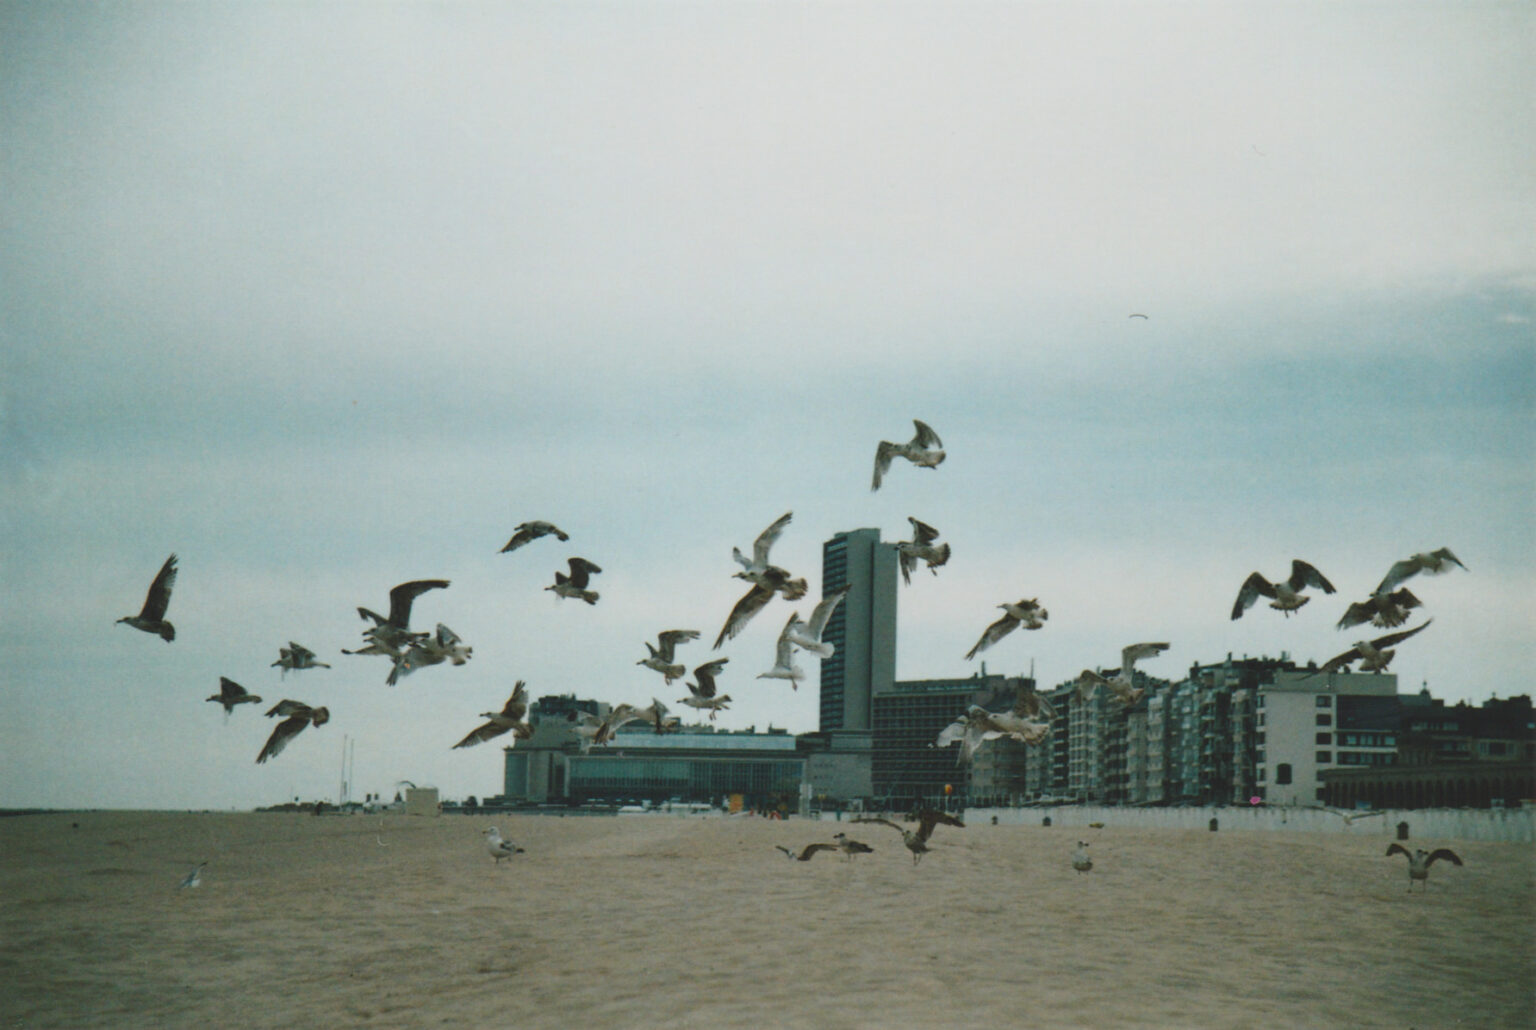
[{"x": 1506, "y": 825}]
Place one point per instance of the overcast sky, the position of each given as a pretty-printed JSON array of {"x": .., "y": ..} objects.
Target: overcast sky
[{"x": 328, "y": 297}]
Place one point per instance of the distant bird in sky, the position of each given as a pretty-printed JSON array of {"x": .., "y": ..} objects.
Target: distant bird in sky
[
  {"x": 1420, "y": 860},
  {"x": 920, "y": 548},
  {"x": 151, "y": 617},
  {"x": 1080, "y": 860},
  {"x": 391, "y": 634},
  {"x": 1287, "y": 593},
  {"x": 1026, "y": 613},
  {"x": 194, "y": 878},
  {"x": 807, "y": 635},
  {"x": 1373, "y": 655},
  {"x": 784, "y": 667},
  {"x": 299, "y": 715},
  {"x": 529, "y": 531},
  {"x": 662, "y": 654},
  {"x": 295, "y": 657},
  {"x": 231, "y": 694},
  {"x": 1432, "y": 562},
  {"x": 916, "y": 841},
  {"x": 498, "y": 847},
  {"x": 1122, "y": 683},
  {"x": 1386, "y": 610},
  {"x": 1137, "y": 314},
  {"x": 925, "y": 450},
  {"x": 509, "y": 718},
  {"x": 575, "y": 585},
  {"x": 702, "y": 695}
]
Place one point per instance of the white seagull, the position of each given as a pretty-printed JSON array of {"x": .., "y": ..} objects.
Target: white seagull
[
  {"x": 509, "y": 718},
  {"x": 784, "y": 667},
  {"x": 575, "y": 585},
  {"x": 1373, "y": 655},
  {"x": 295, "y": 657},
  {"x": 756, "y": 568},
  {"x": 529, "y": 531},
  {"x": 151, "y": 617},
  {"x": 920, "y": 548},
  {"x": 1122, "y": 683},
  {"x": 499, "y": 848},
  {"x": 1287, "y": 593},
  {"x": 662, "y": 653},
  {"x": 702, "y": 694},
  {"x": 976, "y": 726},
  {"x": 1420, "y": 860},
  {"x": 925, "y": 450},
  {"x": 807, "y": 635},
  {"x": 1080, "y": 860},
  {"x": 1026, "y": 613}
]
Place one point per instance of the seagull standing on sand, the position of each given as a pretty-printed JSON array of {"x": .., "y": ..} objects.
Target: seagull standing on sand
[
  {"x": 529, "y": 531},
  {"x": 499, "y": 848},
  {"x": 575, "y": 585},
  {"x": 231, "y": 694},
  {"x": 151, "y": 617},
  {"x": 661, "y": 654},
  {"x": 1123, "y": 683},
  {"x": 298, "y": 715},
  {"x": 920, "y": 548},
  {"x": 1080, "y": 860},
  {"x": 701, "y": 695},
  {"x": 295, "y": 657},
  {"x": 1373, "y": 655},
  {"x": 1420, "y": 860},
  {"x": 784, "y": 667},
  {"x": 1026, "y": 613},
  {"x": 1286, "y": 594},
  {"x": 509, "y": 718},
  {"x": 925, "y": 450}
]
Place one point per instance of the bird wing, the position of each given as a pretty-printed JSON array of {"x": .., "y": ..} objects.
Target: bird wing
[
  {"x": 1087, "y": 682},
  {"x": 401, "y": 597},
  {"x": 446, "y": 637},
  {"x": 1338, "y": 662},
  {"x": 480, "y": 734},
  {"x": 1445, "y": 853},
  {"x": 750, "y": 604},
  {"x": 159, "y": 596},
  {"x": 926, "y": 437},
  {"x": 229, "y": 690},
  {"x": 282, "y": 733},
  {"x": 1356, "y": 613},
  {"x": 1445, "y": 555},
  {"x": 908, "y": 561},
  {"x": 287, "y": 707},
  {"x": 784, "y": 649},
  {"x": 765, "y": 539},
  {"x": 299, "y": 652},
  {"x": 581, "y": 572},
  {"x": 1131, "y": 654},
  {"x": 811, "y": 849},
  {"x": 1400, "y": 571},
  {"x": 1029, "y": 703},
  {"x": 706, "y": 674},
  {"x": 517, "y": 705},
  {"x": 993, "y": 633},
  {"x": 922, "y": 533},
  {"x": 875, "y": 819},
  {"x": 823, "y": 611},
  {"x": 669, "y": 640},
  {"x": 1395, "y": 638},
  {"x": 928, "y": 817},
  {"x": 1398, "y": 849},
  {"x": 1252, "y": 587},
  {"x": 1306, "y": 575},
  {"x": 883, "y": 455}
]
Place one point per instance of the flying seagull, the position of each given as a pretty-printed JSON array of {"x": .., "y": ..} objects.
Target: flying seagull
[
  {"x": 390, "y": 634},
  {"x": 807, "y": 635},
  {"x": 575, "y": 585},
  {"x": 849, "y": 848},
  {"x": 1080, "y": 860},
  {"x": 925, "y": 450},
  {"x": 1373, "y": 655},
  {"x": 1122, "y": 683},
  {"x": 773, "y": 580},
  {"x": 509, "y": 718},
  {"x": 784, "y": 667},
  {"x": 1386, "y": 610},
  {"x": 756, "y": 568},
  {"x": 1420, "y": 860},
  {"x": 151, "y": 617},
  {"x": 920, "y": 548},
  {"x": 1286, "y": 594},
  {"x": 1026, "y": 613},
  {"x": 655, "y": 713},
  {"x": 295, "y": 657},
  {"x": 529, "y": 531},
  {"x": 805, "y": 853},
  {"x": 1432, "y": 562},
  {"x": 916, "y": 840},
  {"x": 231, "y": 694},
  {"x": 499, "y": 848},
  {"x": 586, "y": 727},
  {"x": 976, "y": 726},
  {"x": 702, "y": 694},
  {"x": 298, "y": 715},
  {"x": 433, "y": 649},
  {"x": 661, "y": 654}
]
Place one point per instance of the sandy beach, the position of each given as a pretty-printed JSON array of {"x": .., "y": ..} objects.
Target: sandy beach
[{"x": 651, "y": 921}]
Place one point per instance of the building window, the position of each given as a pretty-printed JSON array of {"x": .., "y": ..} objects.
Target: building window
[
  {"x": 1325, "y": 738},
  {"x": 1325, "y": 720},
  {"x": 1325, "y": 758},
  {"x": 1324, "y": 701},
  {"x": 1283, "y": 773}
]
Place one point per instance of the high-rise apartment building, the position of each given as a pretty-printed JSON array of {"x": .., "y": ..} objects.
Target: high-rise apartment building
[{"x": 862, "y": 628}]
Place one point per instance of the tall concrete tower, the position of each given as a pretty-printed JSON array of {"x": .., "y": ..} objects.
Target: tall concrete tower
[{"x": 862, "y": 629}]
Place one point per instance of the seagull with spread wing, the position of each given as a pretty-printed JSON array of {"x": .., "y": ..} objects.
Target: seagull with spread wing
[
  {"x": 1389, "y": 604},
  {"x": 295, "y": 657},
  {"x": 1027, "y": 613},
  {"x": 1420, "y": 860},
  {"x": 391, "y": 634},
  {"x": 784, "y": 667},
  {"x": 1122, "y": 683},
  {"x": 299, "y": 715},
  {"x": 662, "y": 653},
  {"x": 575, "y": 584},
  {"x": 231, "y": 694},
  {"x": 916, "y": 841},
  {"x": 807, "y": 635},
  {"x": 151, "y": 617},
  {"x": 530, "y": 531},
  {"x": 702, "y": 695},
  {"x": 920, "y": 548},
  {"x": 925, "y": 450},
  {"x": 510, "y": 718},
  {"x": 1286, "y": 595},
  {"x": 1373, "y": 655}
]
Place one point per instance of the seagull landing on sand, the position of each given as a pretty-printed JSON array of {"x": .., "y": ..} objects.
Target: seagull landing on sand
[
  {"x": 807, "y": 635},
  {"x": 1026, "y": 613},
  {"x": 151, "y": 617},
  {"x": 1123, "y": 682},
  {"x": 805, "y": 853},
  {"x": 509, "y": 718},
  {"x": 195, "y": 877},
  {"x": 499, "y": 848},
  {"x": 920, "y": 548},
  {"x": 784, "y": 667},
  {"x": 529, "y": 531},
  {"x": 925, "y": 450},
  {"x": 1080, "y": 860},
  {"x": 1286, "y": 594},
  {"x": 575, "y": 585},
  {"x": 701, "y": 695},
  {"x": 849, "y": 848},
  {"x": 1373, "y": 655},
  {"x": 231, "y": 694},
  {"x": 916, "y": 841},
  {"x": 661, "y": 655},
  {"x": 1420, "y": 860},
  {"x": 298, "y": 715},
  {"x": 295, "y": 657}
]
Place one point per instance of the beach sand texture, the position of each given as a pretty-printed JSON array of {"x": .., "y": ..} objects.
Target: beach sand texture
[{"x": 656, "y": 921}]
